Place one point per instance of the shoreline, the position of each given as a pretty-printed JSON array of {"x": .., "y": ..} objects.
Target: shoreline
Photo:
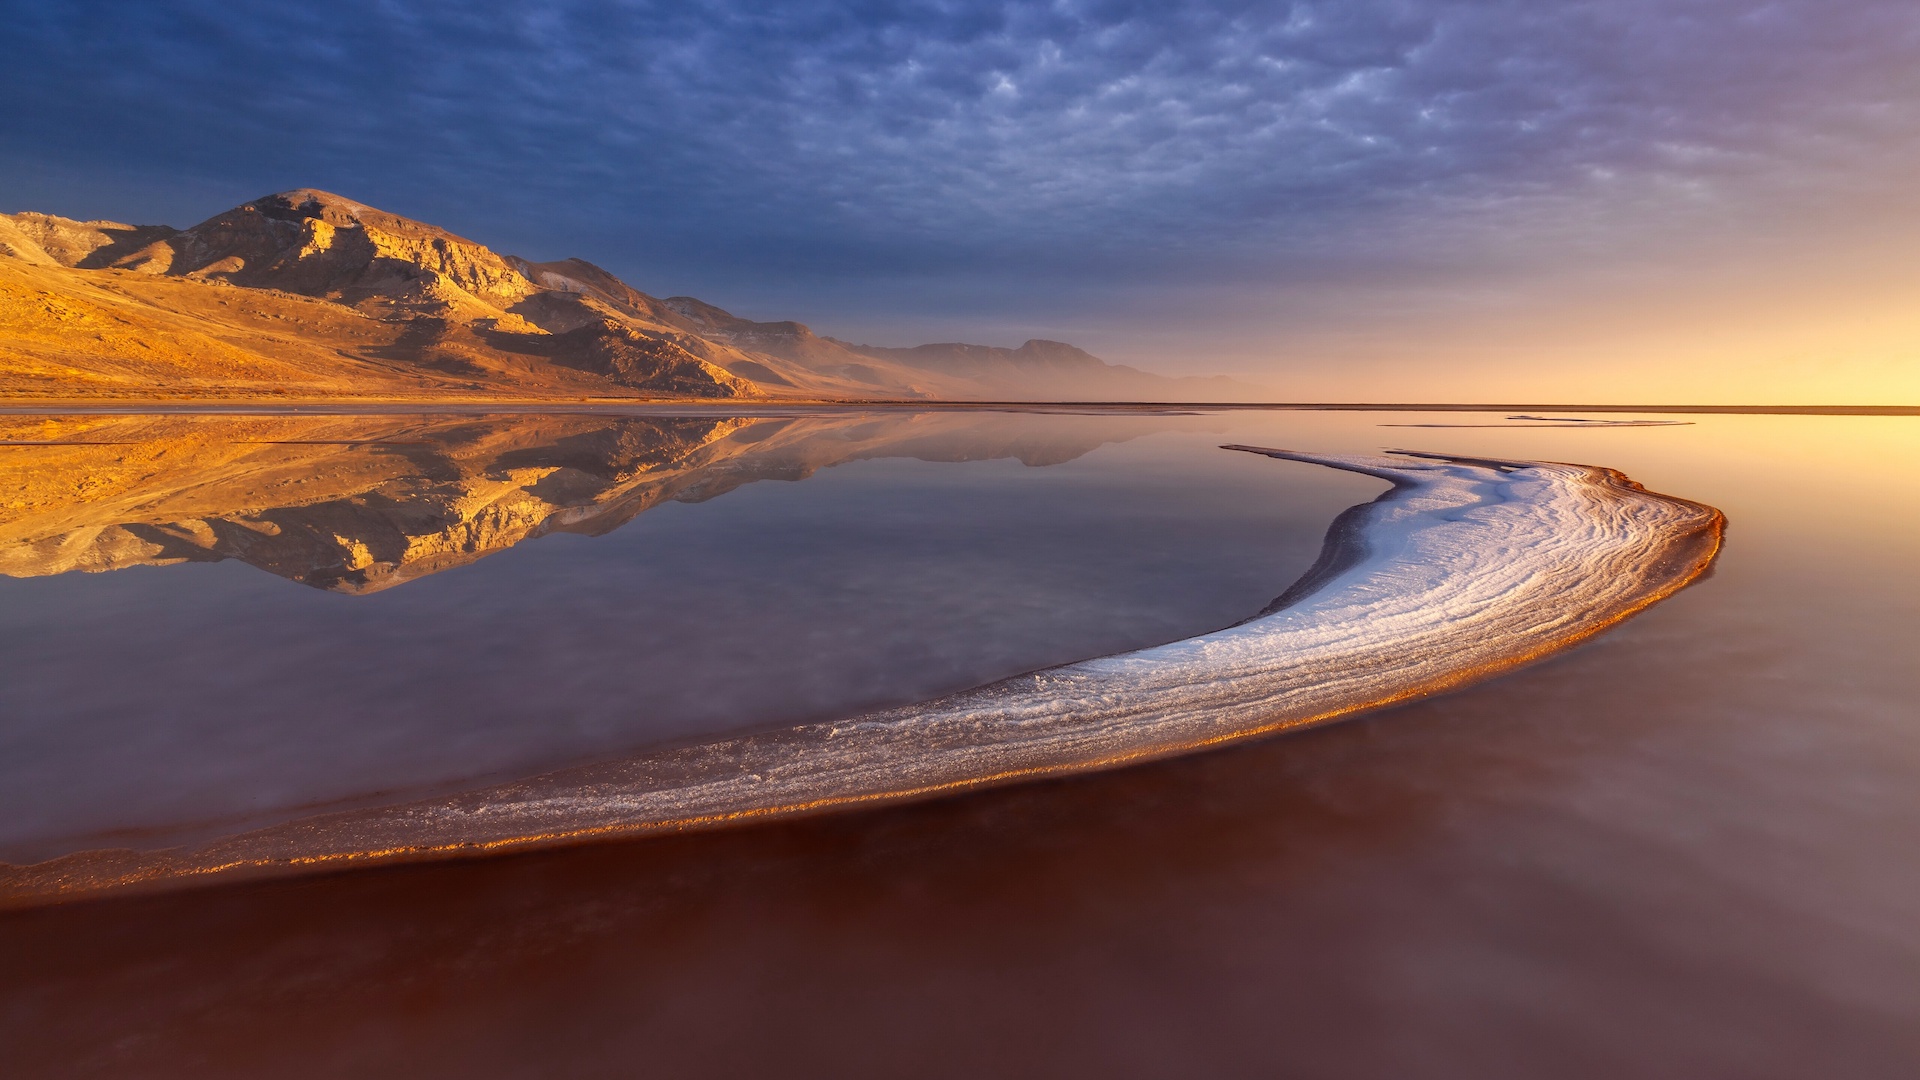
[
  {"x": 782, "y": 406},
  {"x": 1465, "y": 569}
]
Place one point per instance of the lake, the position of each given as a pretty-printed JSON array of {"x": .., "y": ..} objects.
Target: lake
[{"x": 1686, "y": 847}]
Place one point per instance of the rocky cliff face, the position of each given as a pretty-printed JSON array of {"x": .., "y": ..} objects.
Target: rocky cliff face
[
  {"x": 319, "y": 244},
  {"x": 44, "y": 238},
  {"x": 411, "y": 310}
]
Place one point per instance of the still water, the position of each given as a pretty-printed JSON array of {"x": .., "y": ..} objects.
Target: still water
[{"x": 1686, "y": 848}]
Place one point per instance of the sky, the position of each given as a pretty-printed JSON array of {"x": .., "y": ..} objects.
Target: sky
[{"x": 1656, "y": 201}]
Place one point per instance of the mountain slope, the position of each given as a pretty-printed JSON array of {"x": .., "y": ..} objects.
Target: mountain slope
[
  {"x": 306, "y": 294},
  {"x": 1052, "y": 369}
]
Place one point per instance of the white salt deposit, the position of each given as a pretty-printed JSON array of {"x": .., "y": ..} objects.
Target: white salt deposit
[{"x": 1465, "y": 569}]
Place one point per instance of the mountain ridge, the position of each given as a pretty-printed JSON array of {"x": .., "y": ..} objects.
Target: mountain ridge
[{"x": 304, "y": 294}]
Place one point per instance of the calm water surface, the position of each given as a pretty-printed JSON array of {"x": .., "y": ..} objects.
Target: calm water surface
[
  {"x": 154, "y": 703},
  {"x": 1687, "y": 848}
]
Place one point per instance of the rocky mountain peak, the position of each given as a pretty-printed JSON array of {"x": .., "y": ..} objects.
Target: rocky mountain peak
[
  {"x": 447, "y": 313},
  {"x": 319, "y": 244}
]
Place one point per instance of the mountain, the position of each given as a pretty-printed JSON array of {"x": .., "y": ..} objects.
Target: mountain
[
  {"x": 1052, "y": 369},
  {"x": 306, "y": 294}
]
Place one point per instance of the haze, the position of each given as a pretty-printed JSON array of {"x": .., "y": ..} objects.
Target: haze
[{"x": 1621, "y": 202}]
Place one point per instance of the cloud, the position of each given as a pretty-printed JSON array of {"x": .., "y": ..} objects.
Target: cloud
[{"x": 1069, "y": 143}]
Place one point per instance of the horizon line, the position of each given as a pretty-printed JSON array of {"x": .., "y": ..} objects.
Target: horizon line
[{"x": 322, "y": 405}]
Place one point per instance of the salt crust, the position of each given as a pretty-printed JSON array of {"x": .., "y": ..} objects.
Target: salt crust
[{"x": 1465, "y": 568}]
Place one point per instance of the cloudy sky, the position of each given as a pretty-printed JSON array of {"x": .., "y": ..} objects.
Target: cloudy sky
[{"x": 1363, "y": 200}]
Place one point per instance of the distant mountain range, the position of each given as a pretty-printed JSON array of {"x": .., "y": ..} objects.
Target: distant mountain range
[{"x": 308, "y": 295}]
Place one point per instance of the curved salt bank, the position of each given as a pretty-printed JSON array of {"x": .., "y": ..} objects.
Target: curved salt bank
[{"x": 1465, "y": 568}]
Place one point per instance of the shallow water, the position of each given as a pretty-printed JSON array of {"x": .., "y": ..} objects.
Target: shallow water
[
  {"x": 151, "y": 704},
  {"x": 1685, "y": 848}
]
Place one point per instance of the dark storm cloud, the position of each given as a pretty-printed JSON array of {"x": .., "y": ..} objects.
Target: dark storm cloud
[{"x": 1098, "y": 139}]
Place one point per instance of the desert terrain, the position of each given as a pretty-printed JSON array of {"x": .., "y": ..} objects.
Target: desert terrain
[{"x": 308, "y": 296}]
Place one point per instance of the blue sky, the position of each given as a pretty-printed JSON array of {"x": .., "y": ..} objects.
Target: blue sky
[{"x": 1252, "y": 187}]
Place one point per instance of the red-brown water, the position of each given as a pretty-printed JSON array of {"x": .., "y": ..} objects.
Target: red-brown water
[{"x": 1685, "y": 849}]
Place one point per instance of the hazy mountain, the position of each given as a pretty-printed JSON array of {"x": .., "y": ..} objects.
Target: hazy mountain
[
  {"x": 1053, "y": 369},
  {"x": 308, "y": 294}
]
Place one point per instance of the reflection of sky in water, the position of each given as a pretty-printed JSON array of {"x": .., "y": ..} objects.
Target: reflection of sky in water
[
  {"x": 1687, "y": 848},
  {"x": 158, "y": 696}
]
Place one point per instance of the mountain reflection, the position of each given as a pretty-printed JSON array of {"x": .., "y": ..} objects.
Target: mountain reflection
[{"x": 357, "y": 504}]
